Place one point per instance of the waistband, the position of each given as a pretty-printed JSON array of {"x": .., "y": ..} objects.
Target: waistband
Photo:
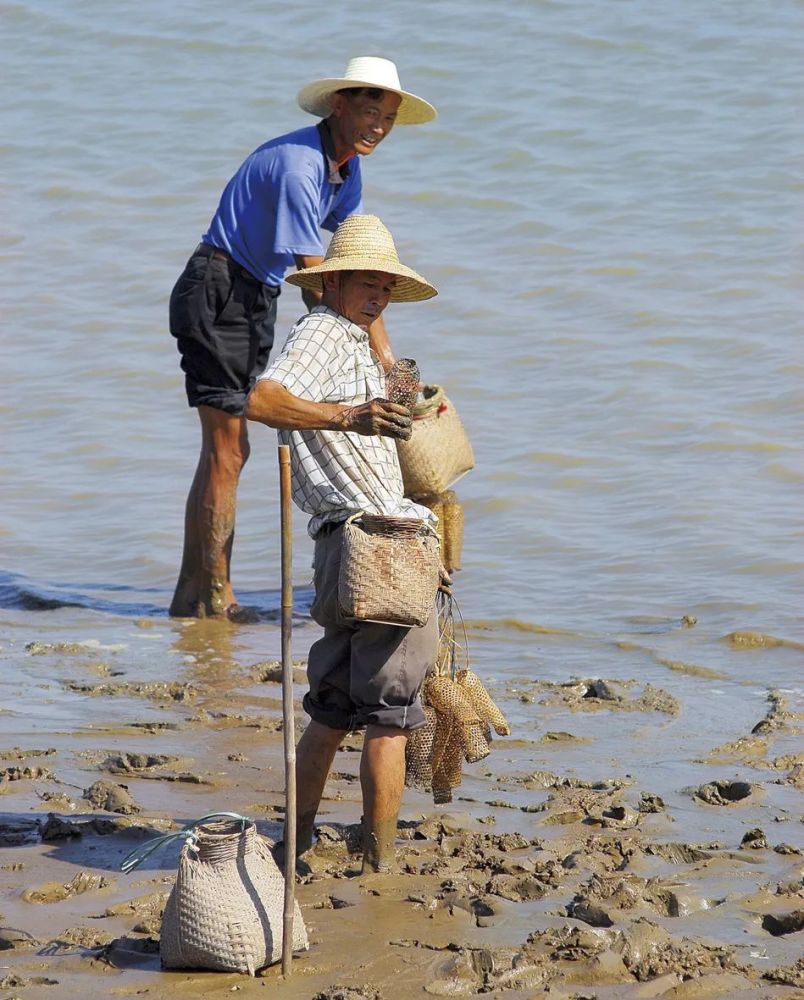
[
  {"x": 215, "y": 253},
  {"x": 328, "y": 528}
]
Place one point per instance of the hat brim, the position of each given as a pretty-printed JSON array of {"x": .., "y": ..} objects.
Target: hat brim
[
  {"x": 408, "y": 287},
  {"x": 315, "y": 99}
]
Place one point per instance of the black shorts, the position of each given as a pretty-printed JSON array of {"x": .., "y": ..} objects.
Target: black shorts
[{"x": 223, "y": 320}]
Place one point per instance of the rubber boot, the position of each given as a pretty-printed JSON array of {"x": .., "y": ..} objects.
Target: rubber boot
[{"x": 378, "y": 846}]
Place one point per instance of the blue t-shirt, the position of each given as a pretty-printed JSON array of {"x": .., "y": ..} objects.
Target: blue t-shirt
[{"x": 278, "y": 201}]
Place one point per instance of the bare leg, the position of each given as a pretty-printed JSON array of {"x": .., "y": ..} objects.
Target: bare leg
[
  {"x": 382, "y": 779},
  {"x": 314, "y": 755},
  {"x": 204, "y": 587}
]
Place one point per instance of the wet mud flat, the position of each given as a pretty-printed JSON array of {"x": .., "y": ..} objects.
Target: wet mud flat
[{"x": 576, "y": 861}]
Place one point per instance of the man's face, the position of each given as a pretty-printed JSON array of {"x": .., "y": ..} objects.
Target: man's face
[
  {"x": 363, "y": 122},
  {"x": 360, "y": 296}
]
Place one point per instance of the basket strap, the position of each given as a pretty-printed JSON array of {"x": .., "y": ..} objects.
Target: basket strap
[{"x": 188, "y": 835}]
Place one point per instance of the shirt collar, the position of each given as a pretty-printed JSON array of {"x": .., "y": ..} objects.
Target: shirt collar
[
  {"x": 352, "y": 329},
  {"x": 337, "y": 175}
]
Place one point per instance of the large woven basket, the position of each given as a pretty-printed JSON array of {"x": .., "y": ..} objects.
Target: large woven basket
[
  {"x": 389, "y": 570},
  {"x": 225, "y": 910},
  {"x": 438, "y": 451}
]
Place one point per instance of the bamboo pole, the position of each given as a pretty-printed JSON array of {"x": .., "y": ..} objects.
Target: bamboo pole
[{"x": 287, "y": 708}]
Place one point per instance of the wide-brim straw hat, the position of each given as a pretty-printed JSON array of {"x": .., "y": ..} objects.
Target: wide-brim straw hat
[
  {"x": 362, "y": 243},
  {"x": 366, "y": 71}
]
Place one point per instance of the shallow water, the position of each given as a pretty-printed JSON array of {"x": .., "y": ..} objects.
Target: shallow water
[{"x": 609, "y": 205}]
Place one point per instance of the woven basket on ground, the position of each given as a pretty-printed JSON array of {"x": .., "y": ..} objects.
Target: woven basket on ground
[
  {"x": 438, "y": 451},
  {"x": 460, "y": 716},
  {"x": 389, "y": 569},
  {"x": 225, "y": 910}
]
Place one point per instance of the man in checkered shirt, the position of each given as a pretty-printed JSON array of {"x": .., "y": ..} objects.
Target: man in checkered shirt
[{"x": 326, "y": 394}]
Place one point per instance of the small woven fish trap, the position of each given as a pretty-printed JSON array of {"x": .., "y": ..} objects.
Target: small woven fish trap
[
  {"x": 449, "y": 511},
  {"x": 482, "y": 701},
  {"x": 438, "y": 452},
  {"x": 419, "y": 753},
  {"x": 389, "y": 569},
  {"x": 452, "y": 531},
  {"x": 402, "y": 382},
  {"x": 460, "y": 715},
  {"x": 225, "y": 911}
]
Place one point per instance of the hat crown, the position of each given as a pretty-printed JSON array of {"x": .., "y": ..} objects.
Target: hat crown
[
  {"x": 374, "y": 71},
  {"x": 362, "y": 243},
  {"x": 363, "y": 236}
]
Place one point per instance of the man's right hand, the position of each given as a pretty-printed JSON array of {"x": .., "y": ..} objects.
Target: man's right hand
[{"x": 378, "y": 416}]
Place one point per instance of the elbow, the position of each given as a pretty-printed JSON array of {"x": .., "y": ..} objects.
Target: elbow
[
  {"x": 264, "y": 404},
  {"x": 256, "y": 408}
]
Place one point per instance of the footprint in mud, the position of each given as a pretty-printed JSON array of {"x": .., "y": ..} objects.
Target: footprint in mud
[
  {"x": 724, "y": 793},
  {"x": 779, "y": 924}
]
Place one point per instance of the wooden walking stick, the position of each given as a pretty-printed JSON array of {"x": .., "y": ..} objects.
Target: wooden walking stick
[{"x": 286, "y": 522}]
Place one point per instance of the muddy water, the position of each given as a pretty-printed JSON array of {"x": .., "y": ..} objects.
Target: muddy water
[{"x": 607, "y": 204}]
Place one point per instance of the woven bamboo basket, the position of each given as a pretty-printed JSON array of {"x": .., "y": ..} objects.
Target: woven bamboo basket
[
  {"x": 389, "y": 570},
  {"x": 225, "y": 910},
  {"x": 438, "y": 451},
  {"x": 449, "y": 510}
]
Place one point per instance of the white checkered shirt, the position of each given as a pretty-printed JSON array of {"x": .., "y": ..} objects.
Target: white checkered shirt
[{"x": 327, "y": 359}]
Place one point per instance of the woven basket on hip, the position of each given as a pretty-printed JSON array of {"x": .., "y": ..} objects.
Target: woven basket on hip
[
  {"x": 438, "y": 451},
  {"x": 225, "y": 910},
  {"x": 389, "y": 569}
]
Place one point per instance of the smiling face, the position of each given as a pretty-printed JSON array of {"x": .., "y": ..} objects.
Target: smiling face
[
  {"x": 360, "y": 120},
  {"x": 360, "y": 296}
]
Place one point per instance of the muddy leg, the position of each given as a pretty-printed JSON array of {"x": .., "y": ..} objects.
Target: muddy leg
[
  {"x": 314, "y": 755},
  {"x": 382, "y": 779},
  {"x": 204, "y": 587}
]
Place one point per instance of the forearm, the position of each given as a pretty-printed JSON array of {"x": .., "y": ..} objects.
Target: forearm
[
  {"x": 378, "y": 339},
  {"x": 270, "y": 403}
]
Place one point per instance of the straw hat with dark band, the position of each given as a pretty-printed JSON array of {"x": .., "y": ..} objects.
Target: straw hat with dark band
[
  {"x": 362, "y": 243},
  {"x": 366, "y": 71}
]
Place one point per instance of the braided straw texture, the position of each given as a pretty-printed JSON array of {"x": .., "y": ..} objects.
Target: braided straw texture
[
  {"x": 388, "y": 574},
  {"x": 225, "y": 910},
  {"x": 438, "y": 451},
  {"x": 449, "y": 510},
  {"x": 460, "y": 714},
  {"x": 363, "y": 243}
]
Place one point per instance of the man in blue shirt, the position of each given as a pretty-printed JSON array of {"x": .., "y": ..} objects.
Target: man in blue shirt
[{"x": 223, "y": 307}]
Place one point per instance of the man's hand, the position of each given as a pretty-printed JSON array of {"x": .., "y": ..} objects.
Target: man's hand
[
  {"x": 444, "y": 579},
  {"x": 378, "y": 416}
]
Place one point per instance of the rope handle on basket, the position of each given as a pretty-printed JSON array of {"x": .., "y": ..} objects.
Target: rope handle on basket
[
  {"x": 189, "y": 835},
  {"x": 425, "y": 524},
  {"x": 433, "y": 406},
  {"x": 447, "y": 606}
]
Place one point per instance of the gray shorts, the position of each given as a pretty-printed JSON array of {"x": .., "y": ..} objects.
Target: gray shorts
[{"x": 363, "y": 673}]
